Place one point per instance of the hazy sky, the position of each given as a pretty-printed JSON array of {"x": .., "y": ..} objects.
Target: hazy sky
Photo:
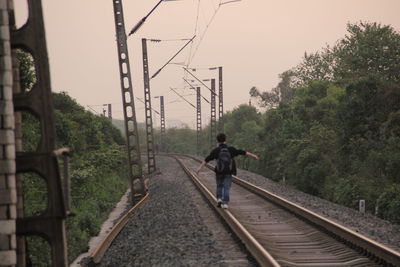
[{"x": 254, "y": 41}]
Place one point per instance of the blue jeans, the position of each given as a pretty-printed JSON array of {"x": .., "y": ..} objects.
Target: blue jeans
[{"x": 224, "y": 182}]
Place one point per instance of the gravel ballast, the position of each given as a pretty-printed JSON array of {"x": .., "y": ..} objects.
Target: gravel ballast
[{"x": 173, "y": 228}]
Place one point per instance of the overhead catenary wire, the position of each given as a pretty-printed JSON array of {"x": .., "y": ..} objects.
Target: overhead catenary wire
[
  {"x": 167, "y": 40},
  {"x": 195, "y": 30},
  {"x": 202, "y": 68},
  {"x": 145, "y": 104},
  {"x": 216, "y": 9},
  {"x": 157, "y": 72},
  {"x": 199, "y": 81},
  {"x": 216, "y": 6},
  {"x": 140, "y": 23},
  {"x": 191, "y": 56},
  {"x": 92, "y": 109},
  {"x": 205, "y": 99},
  {"x": 182, "y": 97},
  {"x": 175, "y": 101}
]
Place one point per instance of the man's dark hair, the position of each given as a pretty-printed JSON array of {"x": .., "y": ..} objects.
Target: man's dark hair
[{"x": 221, "y": 137}]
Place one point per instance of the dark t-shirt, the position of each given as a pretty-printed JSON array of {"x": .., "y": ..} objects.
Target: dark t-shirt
[{"x": 234, "y": 152}]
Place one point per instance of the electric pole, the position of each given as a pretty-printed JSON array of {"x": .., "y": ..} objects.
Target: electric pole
[
  {"x": 138, "y": 189},
  {"x": 162, "y": 111},
  {"x": 220, "y": 102},
  {"x": 148, "y": 115},
  {"x": 198, "y": 120},
  {"x": 109, "y": 112},
  {"x": 213, "y": 121}
]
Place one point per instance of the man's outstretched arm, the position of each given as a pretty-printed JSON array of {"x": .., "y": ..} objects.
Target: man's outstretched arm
[
  {"x": 203, "y": 163},
  {"x": 251, "y": 155}
]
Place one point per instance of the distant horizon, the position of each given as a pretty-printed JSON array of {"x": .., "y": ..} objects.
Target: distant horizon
[{"x": 175, "y": 122}]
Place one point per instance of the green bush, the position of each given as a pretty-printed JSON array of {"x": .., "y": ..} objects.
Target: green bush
[
  {"x": 98, "y": 174},
  {"x": 389, "y": 204}
]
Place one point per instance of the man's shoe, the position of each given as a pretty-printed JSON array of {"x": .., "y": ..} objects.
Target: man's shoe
[
  {"x": 219, "y": 202},
  {"x": 224, "y": 206}
]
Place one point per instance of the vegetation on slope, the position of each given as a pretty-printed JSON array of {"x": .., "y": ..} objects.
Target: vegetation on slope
[
  {"x": 97, "y": 173},
  {"x": 331, "y": 127}
]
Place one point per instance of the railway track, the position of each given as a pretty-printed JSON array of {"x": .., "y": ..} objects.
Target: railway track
[
  {"x": 98, "y": 253},
  {"x": 162, "y": 233},
  {"x": 280, "y": 233},
  {"x": 277, "y": 232}
]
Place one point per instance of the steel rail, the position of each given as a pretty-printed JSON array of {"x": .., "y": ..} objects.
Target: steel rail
[
  {"x": 376, "y": 249},
  {"x": 99, "y": 252},
  {"x": 254, "y": 247}
]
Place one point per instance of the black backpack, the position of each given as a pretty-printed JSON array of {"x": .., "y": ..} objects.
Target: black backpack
[{"x": 224, "y": 162}]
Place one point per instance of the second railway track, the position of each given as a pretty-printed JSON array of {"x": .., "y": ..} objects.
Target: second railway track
[{"x": 288, "y": 234}]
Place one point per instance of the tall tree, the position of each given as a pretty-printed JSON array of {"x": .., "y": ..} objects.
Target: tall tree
[
  {"x": 368, "y": 49},
  {"x": 282, "y": 93}
]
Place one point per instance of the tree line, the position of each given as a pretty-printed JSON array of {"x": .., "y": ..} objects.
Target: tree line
[
  {"x": 97, "y": 171},
  {"x": 331, "y": 127}
]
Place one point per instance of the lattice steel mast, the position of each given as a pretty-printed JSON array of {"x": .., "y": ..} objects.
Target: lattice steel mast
[
  {"x": 109, "y": 112},
  {"x": 198, "y": 120},
  {"x": 213, "y": 121},
  {"x": 162, "y": 111},
  {"x": 220, "y": 102},
  {"x": 151, "y": 163},
  {"x": 138, "y": 188}
]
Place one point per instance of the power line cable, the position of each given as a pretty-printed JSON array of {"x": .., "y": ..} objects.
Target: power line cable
[
  {"x": 93, "y": 109},
  {"x": 191, "y": 86},
  {"x": 200, "y": 81},
  {"x": 204, "y": 33},
  {"x": 157, "y": 72},
  {"x": 145, "y": 104},
  {"x": 191, "y": 56},
  {"x": 182, "y": 97},
  {"x": 167, "y": 40},
  {"x": 195, "y": 29}
]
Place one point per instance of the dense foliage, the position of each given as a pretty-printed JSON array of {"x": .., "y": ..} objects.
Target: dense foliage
[
  {"x": 336, "y": 133},
  {"x": 331, "y": 127},
  {"x": 97, "y": 173},
  {"x": 98, "y": 176}
]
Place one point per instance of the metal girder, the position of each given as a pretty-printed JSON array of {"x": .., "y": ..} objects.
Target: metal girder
[
  {"x": 198, "y": 120},
  {"x": 38, "y": 101},
  {"x": 151, "y": 161},
  {"x": 138, "y": 187},
  {"x": 213, "y": 121},
  {"x": 109, "y": 112},
  {"x": 162, "y": 115},
  {"x": 220, "y": 102}
]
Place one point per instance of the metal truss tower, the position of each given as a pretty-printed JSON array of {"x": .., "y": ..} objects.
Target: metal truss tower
[
  {"x": 138, "y": 188},
  {"x": 198, "y": 120},
  {"x": 43, "y": 161},
  {"x": 220, "y": 102},
  {"x": 162, "y": 115},
  {"x": 148, "y": 114},
  {"x": 109, "y": 112},
  {"x": 213, "y": 121}
]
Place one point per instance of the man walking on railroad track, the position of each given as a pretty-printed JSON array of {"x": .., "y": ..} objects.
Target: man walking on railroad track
[{"x": 225, "y": 167}]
